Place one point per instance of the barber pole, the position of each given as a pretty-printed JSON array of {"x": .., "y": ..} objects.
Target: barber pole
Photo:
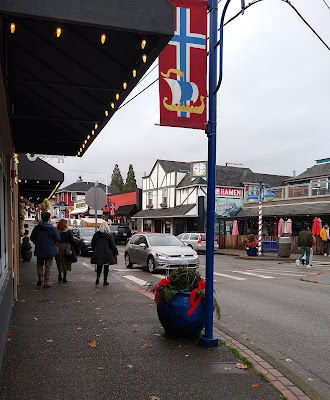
[{"x": 260, "y": 226}]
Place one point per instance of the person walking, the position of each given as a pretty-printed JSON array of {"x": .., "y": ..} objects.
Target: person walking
[
  {"x": 305, "y": 243},
  {"x": 67, "y": 253},
  {"x": 104, "y": 252},
  {"x": 45, "y": 236},
  {"x": 75, "y": 230},
  {"x": 324, "y": 233}
]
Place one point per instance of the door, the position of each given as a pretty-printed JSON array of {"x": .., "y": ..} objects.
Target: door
[{"x": 158, "y": 226}]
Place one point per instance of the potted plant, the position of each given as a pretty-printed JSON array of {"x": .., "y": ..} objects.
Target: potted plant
[
  {"x": 26, "y": 249},
  {"x": 180, "y": 302},
  {"x": 250, "y": 245}
]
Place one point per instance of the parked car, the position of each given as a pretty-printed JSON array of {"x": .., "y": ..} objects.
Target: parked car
[
  {"x": 85, "y": 242},
  {"x": 159, "y": 251},
  {"x": 196, "y": 240},
  {"x": 120, "y": 232}
]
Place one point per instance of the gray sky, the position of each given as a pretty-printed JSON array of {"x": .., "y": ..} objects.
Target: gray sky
[{"x": 273, "y": 105}]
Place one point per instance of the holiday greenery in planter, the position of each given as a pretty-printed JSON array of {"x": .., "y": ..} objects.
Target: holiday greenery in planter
[{"x": 249, "y": 242}]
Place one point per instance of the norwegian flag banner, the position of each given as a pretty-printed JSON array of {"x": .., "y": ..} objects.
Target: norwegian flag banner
[{"x": 183, "y": 68}]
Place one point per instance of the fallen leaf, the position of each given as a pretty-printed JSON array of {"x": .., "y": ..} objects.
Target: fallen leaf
[
  {"x": 288, "y": 359},
  {"x": 264, "y": 371},
  {"x": 8, "y": 339},
  {"x": 79, "y": 327},
  {"x": 154, "y": 398},
  {"x": 35, "y": 318},
  {"x": 92, "y": 343},
  {"x": 50, "y": 340},
  {"x": 255, "y": 385},
  {"x": 97, "y": 335},
  {"x": 241, "y": 366},
  {"x": 157, "y": 334},
  {"x": 129, "y": 366},
  {"x": 187, "y": 355},
  {"x": 100, "y": 368},
  {"x": 136, "y": 330},
  {"x": 97, "y": 308},
  {"x": 10, "y": 334},
  {"x": 147, "y": 345},
  {"x": 310, "y": 379},
  {"x": 227, "y": 369}
]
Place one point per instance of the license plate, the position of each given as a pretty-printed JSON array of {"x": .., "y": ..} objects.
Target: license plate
[{"x": 183, "y": 262}]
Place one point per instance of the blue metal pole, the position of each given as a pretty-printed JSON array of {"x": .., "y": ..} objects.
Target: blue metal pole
[{"x": 208, "y": 340}]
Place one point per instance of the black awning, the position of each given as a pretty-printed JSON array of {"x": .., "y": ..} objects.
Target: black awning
[
  {"x": 59, "y": 88},
  {"x": 37, "y": 179},
  {"x": 126, "y": 211}
]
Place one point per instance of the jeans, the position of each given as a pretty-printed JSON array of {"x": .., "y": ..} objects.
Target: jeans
[
  {"x": 303, "y": 250},
  {"x": 326, "y": 244}
]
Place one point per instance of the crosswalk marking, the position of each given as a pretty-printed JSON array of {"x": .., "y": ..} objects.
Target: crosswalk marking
[
  {"x": 136, "y": 280},
  {"x": 252, "y": 274},
  {"x": 278, "y": 273},
  {"x": 238, "y": 278}
]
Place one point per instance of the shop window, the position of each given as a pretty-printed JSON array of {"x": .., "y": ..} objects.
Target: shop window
[
  {"x": 149, "y": 201},
  {"x": 62, "y": 196},
  {"x": 164, "y": 197},
  {"x": 74, "y": 196},
  {"x": 147, "y": 225}
]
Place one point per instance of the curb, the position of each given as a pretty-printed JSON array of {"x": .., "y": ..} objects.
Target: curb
[
  {"x": 285, "y": 381},
  {"x": 263, "y": 258}
]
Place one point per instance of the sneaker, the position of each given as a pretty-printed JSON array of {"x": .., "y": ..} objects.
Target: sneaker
[
  {"x": 39, "y": 283},
  {"x": 303, "y": 262},
  {"x": 297, "y": 263},
  {"x": 308, "y": 266},
  {"x": 47, "y": 285}
]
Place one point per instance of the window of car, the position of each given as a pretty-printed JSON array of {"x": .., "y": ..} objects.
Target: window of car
[
  {"x": 143, "y": 240},
  {"x": 135, "y": 239},
  {"x": 194, "y": 236},
  {"x": 186, "y": 236},
  {"x": 164, "y": 240},
  {"x": 203, "y": 237}
]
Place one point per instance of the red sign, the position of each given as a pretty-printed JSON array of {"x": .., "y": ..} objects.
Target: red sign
[
  {"x": 183, "y": 68},
  {"x": 228, "y": 192}
]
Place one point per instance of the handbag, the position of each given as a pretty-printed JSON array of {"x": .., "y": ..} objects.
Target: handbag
[{"x": 68, "y": 251}]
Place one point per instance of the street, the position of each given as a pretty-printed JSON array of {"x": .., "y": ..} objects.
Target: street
[{"x": 281, "y": 309}]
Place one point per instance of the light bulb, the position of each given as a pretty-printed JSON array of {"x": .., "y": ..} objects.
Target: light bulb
[
  {"x": 106, "y": 113},
  {"x": 96, "y": 126},
  {"x": 124, "y": 85},
  {"x": 92, "y": 132},
  {"x": 88, "y": 137},
  {"x": 112, "y": 105},
  {"x": 45, "y": 155},
  {"x": 143, "y": 44},
  {"x": 58, "y": 32},
  {"x": 12, "y": 27},
  {"x": 49, "y": 182},
  {"x": 83, "y": 146},
  {"x": 25, "y": 181},
  {"x": 144, "y": 58},
  {"x": 103, "y": 37},
  {"x": 37, "y": 181},
  {"x": 117, "y": 96},
  {"x": 76, "y": 155},
  {"x": 80, "y": 149},
  {"x": 85, "y": 141},
  {"x": 134, "y": 73}
]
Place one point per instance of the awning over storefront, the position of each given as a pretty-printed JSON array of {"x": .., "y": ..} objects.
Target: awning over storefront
[
  {"x": 126, "y": 211},
  {"x": 81, "y": 210},
  {"x": 284, "y": 211},
  {"x": 179, "y": 211},
  {"x": 71, "y": 64},
  {"x": 37, "y": 179}
]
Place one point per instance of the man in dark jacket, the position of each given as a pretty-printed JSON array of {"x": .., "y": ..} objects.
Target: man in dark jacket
[
  {"x": 45, "y": 236},
  {"x": 305, "y": 243}
]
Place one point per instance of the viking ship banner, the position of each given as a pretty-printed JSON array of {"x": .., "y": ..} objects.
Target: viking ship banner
[{"x": 183, "y": 68}]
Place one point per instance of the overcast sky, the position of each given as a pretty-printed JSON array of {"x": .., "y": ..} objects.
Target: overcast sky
[{"x": 273, "y": 105}]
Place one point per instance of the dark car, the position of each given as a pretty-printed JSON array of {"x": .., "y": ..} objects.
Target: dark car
[
  {"x": 85, "y": 242},
  {"x": 120, "y": 232}
]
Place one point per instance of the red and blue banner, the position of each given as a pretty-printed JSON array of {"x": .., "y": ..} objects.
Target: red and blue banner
[{"x": 183, "y": 68}]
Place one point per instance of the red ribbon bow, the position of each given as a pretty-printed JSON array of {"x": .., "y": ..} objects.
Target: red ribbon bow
[
  {"x": 192, "y": 301},
  {"x": 163, "y": 282}
]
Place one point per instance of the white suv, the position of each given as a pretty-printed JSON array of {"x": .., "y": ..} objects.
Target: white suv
[{"x": 196, "y": 240}]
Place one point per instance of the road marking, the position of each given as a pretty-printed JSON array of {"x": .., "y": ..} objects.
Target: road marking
[
  {"x": 125, "y": 270},
  {"x": 136, "y": 280},
  {"x": 281, "y": 273},
  {"x": 252, "y": 274},
  {"x": 158, "y": 276},
  {"x": 238, "y": 278}
]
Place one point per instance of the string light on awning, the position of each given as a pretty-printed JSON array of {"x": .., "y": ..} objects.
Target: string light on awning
[
  {"x": 12, "y": 27},
  {"x": 103, "y": 37},
  {"x": 106, "y": 113},
  {"x": 58, "y": 32},
  {"x": 144, "y": 58},
  {"x": 124, "y": 85},
  {"x": 85, "y": 141},
  {"x": 25, "y": 181},
  {"x": 46, "y": 156},
  {"x": 80, "y": 149},
  {"x": 96, "y": 126},
  {"x": 37, "y": 181},
  {"x": 83, "y": 146},
  {"x": 88, "y": 137},
  {"x": 134, "y": 73},
  {"x": 93, "y": 132},
  {"x": 112, "y": 105},
  {"x": 143, "y": 44},
  {"x": 49, "y": 182},
  {"x": 117, "y": 96}
]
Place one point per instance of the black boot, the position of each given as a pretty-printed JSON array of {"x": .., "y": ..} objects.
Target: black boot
[
  {"x": 60, "y": 277},
  {"x": 64, "y": 277},
  {"x": 106, "y": 271},
  {"x": 98, "y": 273}
]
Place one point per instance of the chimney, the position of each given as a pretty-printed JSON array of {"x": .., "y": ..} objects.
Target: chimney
[{"x": 294, "y": 174}]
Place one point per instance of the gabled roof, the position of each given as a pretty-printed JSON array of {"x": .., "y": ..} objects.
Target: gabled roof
[
  {"x": 317, "y": 170},
  {"x": 170, "y": 166},
  {"x": 85, "y": 186},
  {"x": 178, "y": 211}
]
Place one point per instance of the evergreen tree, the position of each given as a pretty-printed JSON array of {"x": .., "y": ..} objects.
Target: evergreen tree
[
  {"x": 116, "y": 179},
  {"x": 130, "y": 180}
]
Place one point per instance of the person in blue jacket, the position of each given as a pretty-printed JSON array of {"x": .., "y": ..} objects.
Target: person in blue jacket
[{"x": 45, "y": 236}]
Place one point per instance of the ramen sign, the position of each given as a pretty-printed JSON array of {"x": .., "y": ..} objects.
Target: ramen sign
[{"x": 228, "y": 192}]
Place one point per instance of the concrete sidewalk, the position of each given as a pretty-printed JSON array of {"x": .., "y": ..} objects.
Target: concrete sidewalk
[{"x": 51, "y": 353}]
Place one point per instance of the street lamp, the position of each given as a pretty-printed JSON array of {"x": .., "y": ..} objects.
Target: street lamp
[{"x": 260, "y": 196}]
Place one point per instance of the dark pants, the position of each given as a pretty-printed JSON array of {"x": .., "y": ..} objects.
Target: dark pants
[
  {"x": 326, "y": 244},
  {"x": 40, "y": 267},
  {"x": 105, "y": 272}
]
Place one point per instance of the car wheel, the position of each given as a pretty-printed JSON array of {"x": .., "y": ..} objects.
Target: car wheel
[
  {"x": 151, "y": 264},
  {"x": 189, "y": 245},
  {"x": 128, "y": 261}
]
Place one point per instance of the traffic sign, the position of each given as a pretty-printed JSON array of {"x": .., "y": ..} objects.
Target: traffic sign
[{"x": 96, "y": 198}]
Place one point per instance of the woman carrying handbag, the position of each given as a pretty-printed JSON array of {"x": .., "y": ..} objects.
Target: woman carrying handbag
[
  {"x": 104, "y": 252},
  {"x": 67, "y": 250}
]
